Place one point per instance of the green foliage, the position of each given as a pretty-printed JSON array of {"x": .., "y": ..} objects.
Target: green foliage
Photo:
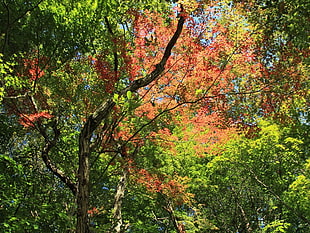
[
  {"x": 283, "y": 21},
  {"x": 8, "y": 80},
  {"x": 60, "y": 29},
  {"x": 298, "y": 193},
  {"x": 259, "y": 171},
  {"x": 276, "y": 226},
  {"x": 31, "y": 198},
  {"x": 251, "y": 185}
]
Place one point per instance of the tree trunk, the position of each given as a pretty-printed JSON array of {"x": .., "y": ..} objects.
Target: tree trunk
[
  {"x": 118, "y": 198},
  {"x": 83, "y": 195},
  {"x": 177, "y": 226},
  {"x": 83, "y": 183},
  {"x": 92, "y": 123}
]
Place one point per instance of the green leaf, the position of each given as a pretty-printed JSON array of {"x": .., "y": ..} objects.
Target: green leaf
[
  {"x": 115, "y": 97},
  {"x": 129, "y": 95}
]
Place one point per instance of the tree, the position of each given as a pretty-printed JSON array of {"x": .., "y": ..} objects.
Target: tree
[
  {"x": 108, "y": 92},
  {"x": 33, "y": 100}
]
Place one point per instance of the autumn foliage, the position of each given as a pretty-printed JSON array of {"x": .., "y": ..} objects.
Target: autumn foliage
[
  {"x": 29, "y": 120},
  {"x": 164, "y": 110}
]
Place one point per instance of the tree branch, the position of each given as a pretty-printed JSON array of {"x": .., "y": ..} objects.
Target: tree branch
[
  {"x": 26, "y": 11},
  {"x": 159, "y": 68},
  {"x": 56, "y": 171},
  {"x": 178, "y": 226},
  {"x": 105, "y": 108},
  {"x": 301, "y": 216},
  {"x": 114, "y": 47}
]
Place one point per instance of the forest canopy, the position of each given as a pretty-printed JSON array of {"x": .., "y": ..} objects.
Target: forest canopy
[{"x": 154, "y": 116}]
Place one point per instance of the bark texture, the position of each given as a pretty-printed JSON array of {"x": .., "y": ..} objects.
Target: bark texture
[{"x": 118, "y": 199}]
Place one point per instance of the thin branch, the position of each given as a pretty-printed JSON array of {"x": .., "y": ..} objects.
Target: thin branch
[
  {"x": 6, "y": 38},
  {"x": 178, "y": 226},
  {"x": 184, "y": 103},
  {"x": 25, "y": 13},
  {"x": 305, "y": 219},
  {"x": 59, "y": 173},
  {"x": 49, "y": 144},
  {"x": 17, "y": 96},
  {"x": 114, "y": 47},
  {"x": 9, "y": 24}
]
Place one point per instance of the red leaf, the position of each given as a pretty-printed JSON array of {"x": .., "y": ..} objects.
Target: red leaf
[{"x": 28, "y": 120}]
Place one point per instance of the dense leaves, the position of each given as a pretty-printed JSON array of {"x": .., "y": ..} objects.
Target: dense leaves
[{"x": 154, "y": 116}]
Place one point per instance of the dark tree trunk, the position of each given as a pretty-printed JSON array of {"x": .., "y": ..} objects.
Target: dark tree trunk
[{"x": 83, "y": 187}]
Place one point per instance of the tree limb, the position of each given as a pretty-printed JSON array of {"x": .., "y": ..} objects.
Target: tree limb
[
  {"x": 114, "y": 47},
  {"x": 105, "y": 108},
  {"x": 56, "y": 171},
  {"x": 159, "y": 68},
  {"x": 178, "y": 226}
]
